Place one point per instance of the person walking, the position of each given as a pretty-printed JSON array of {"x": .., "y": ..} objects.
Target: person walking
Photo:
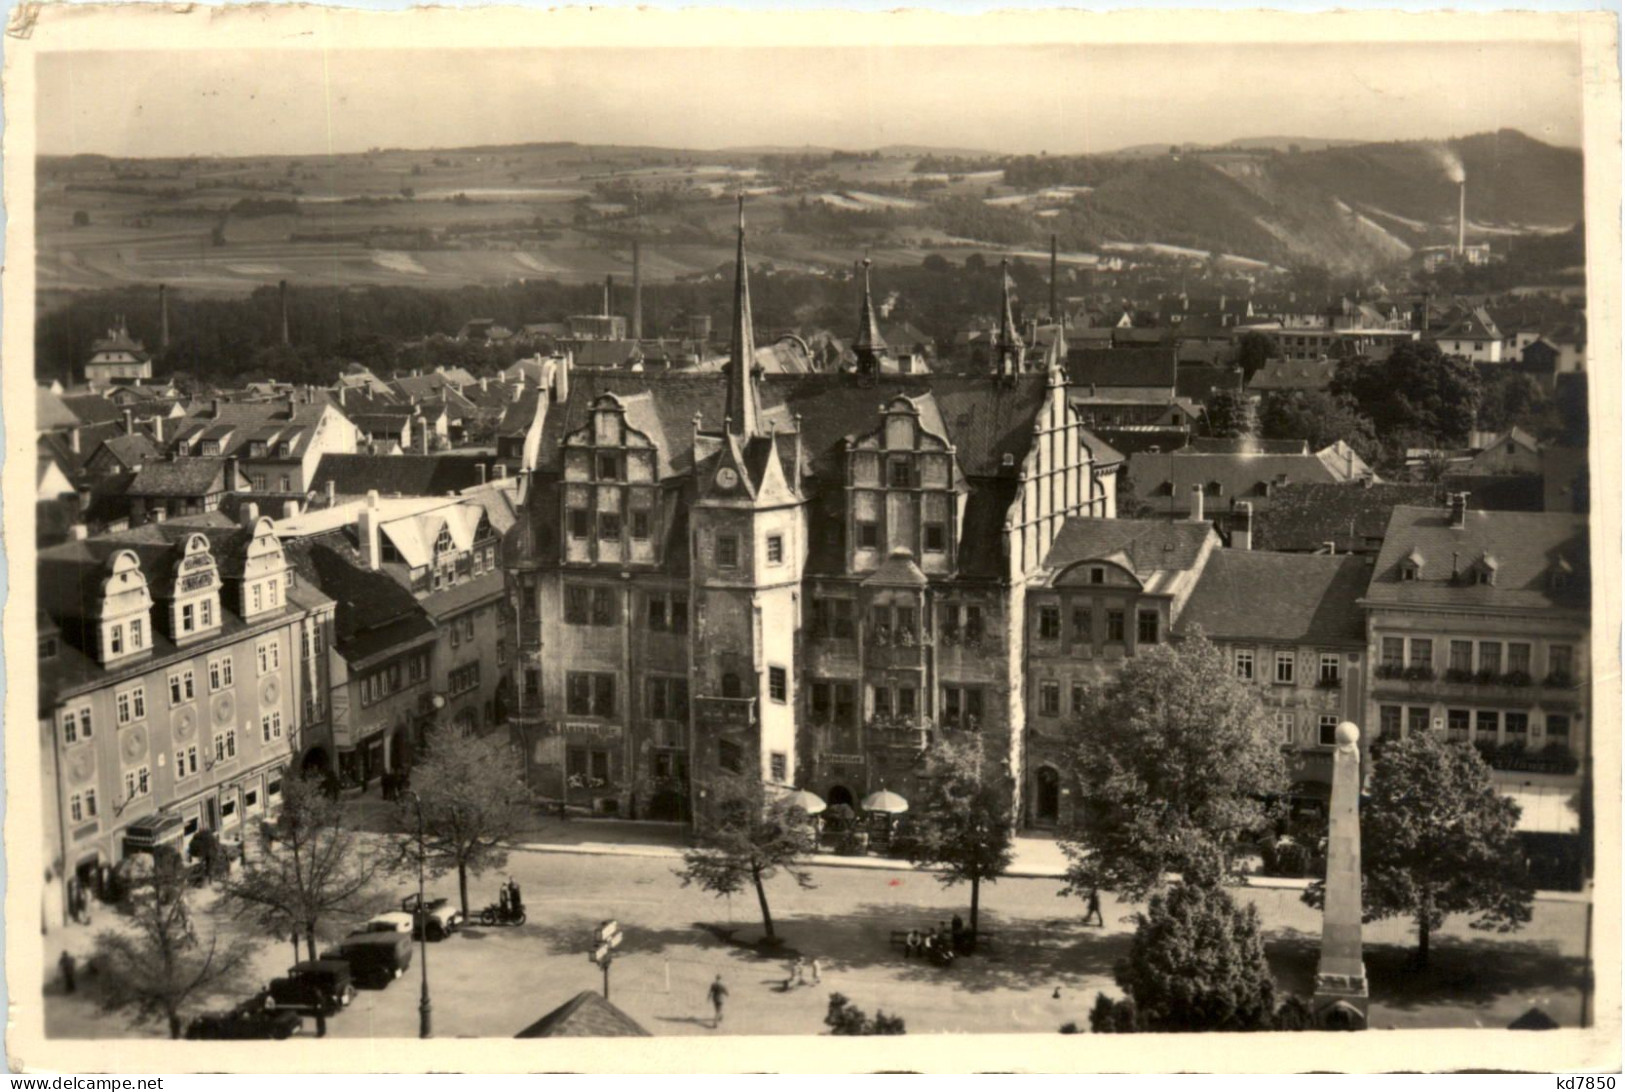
[
  {"x": 66, "y": 965},
  {"x": 718, "y": 993},
  {"x": 1094, "y": 909},
  {"x": 817, "y": 971},
  {"x": 797, "y": 976}
]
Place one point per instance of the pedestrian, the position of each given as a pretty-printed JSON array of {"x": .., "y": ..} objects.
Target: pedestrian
[
  {"x": 502, "y": 900},
  {"x": 67, "y": 966},
  {"x": 718, "y": 993},
  {"x": 1094, "y": 908},
  {"x": 797, "y": 975},
  {"x": 817, "y": 971},
  {"x": 911, "y": 944}
]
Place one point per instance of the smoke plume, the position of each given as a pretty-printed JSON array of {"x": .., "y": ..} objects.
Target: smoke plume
[{"x": 1449, "y": 163}]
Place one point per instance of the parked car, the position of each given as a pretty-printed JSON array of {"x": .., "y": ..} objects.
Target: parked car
[
  {"x": 376, "y": 959},
  {"x": 439, "y": 915},
  {"x": 256, "y": 1018},
  {"x": 316, "y": 985},
  {"x": 391, "y": 921}
]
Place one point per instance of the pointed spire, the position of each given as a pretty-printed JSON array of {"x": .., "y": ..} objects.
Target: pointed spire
[
  {"x": 869, "y": 346},
  {"x": 743, "y": 407},
  {"x": 1009, "y": 348}
]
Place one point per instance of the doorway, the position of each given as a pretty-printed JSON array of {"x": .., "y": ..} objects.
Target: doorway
[{"x": 1047, "y": 805}]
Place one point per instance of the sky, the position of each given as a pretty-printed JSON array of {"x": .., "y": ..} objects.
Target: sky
[{"x": 1063, "y": 99}]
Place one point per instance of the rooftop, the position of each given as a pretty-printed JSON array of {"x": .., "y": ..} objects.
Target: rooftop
[
  {"x": 1286, "y": 598},
  {"x": 1527, "y": 547}
]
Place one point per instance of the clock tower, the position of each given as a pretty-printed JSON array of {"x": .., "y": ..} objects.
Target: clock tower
[{"x": 748, "y": 541}]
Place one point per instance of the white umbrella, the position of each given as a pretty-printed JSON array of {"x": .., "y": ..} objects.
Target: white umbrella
[
  {"x": 809, "y": 802},
  {"x": 885, "y": 801}
]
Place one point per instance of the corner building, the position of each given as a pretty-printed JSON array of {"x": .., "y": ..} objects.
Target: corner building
[{"x": 814, "y": 576}]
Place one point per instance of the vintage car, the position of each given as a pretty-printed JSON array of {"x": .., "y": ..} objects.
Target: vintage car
[
  {"x": 375, "y": 959},
  {"x": 441, "y": 917},
  {"x": 391, "y": 921},
  {"x": 252, "y": 1019},
  {"x": 316, "y": 985}
]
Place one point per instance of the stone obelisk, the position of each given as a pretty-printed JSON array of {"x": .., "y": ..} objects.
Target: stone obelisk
[{"x": 1341, "y": 997}]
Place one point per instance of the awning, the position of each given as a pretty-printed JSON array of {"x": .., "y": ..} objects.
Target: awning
[
  {"x": 152, "y": 830},
  {"x": 1546, "y": 809}
]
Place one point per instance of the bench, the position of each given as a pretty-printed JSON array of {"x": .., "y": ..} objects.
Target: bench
[{"x": 899, "y": 938}]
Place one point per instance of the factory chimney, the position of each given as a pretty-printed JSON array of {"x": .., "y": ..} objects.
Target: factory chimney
[
  {"x": 637, "y": 291},
  {"x": 1461, "y": 223},
  {"x": 609, "y": 289},
  {"x": 163, "y": 317},
  {"x": 282, "y": 290},
  {"x": 1054, "y": 280}
]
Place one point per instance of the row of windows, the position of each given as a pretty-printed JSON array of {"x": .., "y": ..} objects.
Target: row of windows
[
  {"x": 197, "y": 616},
  {"x": 412, "y": 671},
  {"x": 610, "y": 524},
  {"x": 1147, "y": 628},
  {"x": 462, "y": 629},
  {"x": 126, "y": 637},
  {"x": 935, "y": 538},
  {"x": 1465, "y": 725},
  {"x": 1479, "y": 657},
  {"x": 1330, "y": 666}
]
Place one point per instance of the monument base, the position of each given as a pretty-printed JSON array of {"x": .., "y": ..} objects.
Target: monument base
[{"x": 1342, "y": 1002}]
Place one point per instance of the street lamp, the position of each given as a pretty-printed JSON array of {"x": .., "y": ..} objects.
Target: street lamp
[{"x": 425, "y": 1008}]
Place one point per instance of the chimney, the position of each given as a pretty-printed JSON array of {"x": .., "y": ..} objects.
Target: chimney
[
  {"x": 231, "y": 473},
  {"x": 163, "y": 316},
  {"x": 341, "y": 397},
  {"x": 561, "y": 378},
  {"x": 158, "y": 427},
  {"x": 479, "y": 473},
  {"x": 129, "y": 420},
  {"x": 1458, "y": 510},
  {"x": 214, "y": 407},
  {"x": 248, "y": 515},
  {"x": 637, "y": 291},
  {"x": 1196, "y": 503},
  {"x": 73, "y": 440},
  {"x": 1461, "y": 222},
  {"x": 282, "y": 292},
  {"x": 421, "y": 427},
  {"x": 485, "y": 383},
  {"x": 609, "y": 291},
  {"x": 1054, "y": 279},
  {"x": 290, "y": 509},
  {"x": 332, "y": 492},
  {"x": 367, "y": 530},
  {"x": 1241, "y": 526}
]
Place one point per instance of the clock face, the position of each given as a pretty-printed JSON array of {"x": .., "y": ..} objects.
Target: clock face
[{"x": 726, "y": 478}]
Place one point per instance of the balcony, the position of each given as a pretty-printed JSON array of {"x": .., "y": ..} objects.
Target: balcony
[
  {"x": 1455, "y": 682},
  {"x": 726, "y": 712},
  {"x": 905, "y": 733}
]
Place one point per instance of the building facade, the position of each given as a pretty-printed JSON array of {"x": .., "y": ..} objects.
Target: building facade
[
  {"x": 175, "y": 675},
  {"x": 812, "y": 576}
]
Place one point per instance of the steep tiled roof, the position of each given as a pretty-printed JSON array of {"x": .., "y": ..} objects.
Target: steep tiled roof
[
  {"x": 1239, "y": 477},
  {"x": 1147, "y": 545},
  {"x": 131, "y": 449},
  {"x": 91, "y": 408},
  {"x": 375, "y": 614},
  {"x": 406, "y": 475},
  {"x": 51, "y": 412},
  {"x": 190, "y": 477},
  {"x": 1526, "y": 546},
  {"x": 1304, "y": 517},
  {"x": 1153, "y": 367},
  {"x": 1290, "y": 598},
  {"x": 1294, "y": 375},
  {"x": 586, "y": 1015}
]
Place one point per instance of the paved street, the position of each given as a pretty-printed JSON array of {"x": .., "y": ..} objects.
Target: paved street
[{"x": 494, "y": 982}]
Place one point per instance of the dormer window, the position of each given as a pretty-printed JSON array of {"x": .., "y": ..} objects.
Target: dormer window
[
  {"x": 443, "y": 543},
  {"x": 1484, "y": 570},
  {"x": 1411, "y": 567},
  {"x": 1560, "y": 574}
]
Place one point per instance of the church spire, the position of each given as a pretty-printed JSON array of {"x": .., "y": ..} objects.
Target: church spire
[
  {"x": 744, "y": 407},
  {"x": 1009, "y": 348},
  {"x": 869, "y": 346}
]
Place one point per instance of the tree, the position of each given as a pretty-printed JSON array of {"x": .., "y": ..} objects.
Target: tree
[
  {"x": 474, "y": 800},
  {"x": 749, "y": 837},
  {"x": 1416, "y": 388},
  {"x": 161, "y": 963},
  {"x": 1254, "y": 350},
  {"x": 1437, "y": 838},
  {"x": 962, "y": 826},
  {"x": 1197, "y": 964},
  {"x": 1175, "y": 758},
  {"x": 311, "y": 867},
  {"x": 1516, "y": 398},
  {"x": 845, "y": 1018},
  {"x": 1231, "y": 414},
  {"x": 1319, "y": 417}
]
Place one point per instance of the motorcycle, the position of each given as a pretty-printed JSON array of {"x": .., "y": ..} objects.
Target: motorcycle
[{"x": 500, "y": 914}]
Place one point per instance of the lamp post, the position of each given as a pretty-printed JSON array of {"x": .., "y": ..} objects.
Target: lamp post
[{"x": 425, "y": 1008}]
